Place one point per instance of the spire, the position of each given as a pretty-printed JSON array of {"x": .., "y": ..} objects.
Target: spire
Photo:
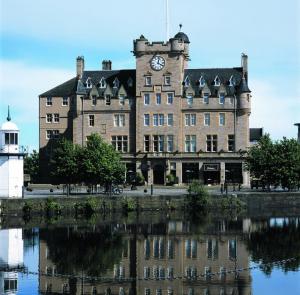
[
  {"x": 8, "y": 115},
  {"x": 180, "y": 26}
]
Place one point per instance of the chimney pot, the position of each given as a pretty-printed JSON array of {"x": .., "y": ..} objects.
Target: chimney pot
[{"x": 106, "y": 65}]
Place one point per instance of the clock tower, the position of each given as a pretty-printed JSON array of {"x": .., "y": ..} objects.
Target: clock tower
[{"x": 159, "y": 75}]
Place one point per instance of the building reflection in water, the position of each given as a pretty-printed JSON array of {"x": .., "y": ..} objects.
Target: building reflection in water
[
  {"x": 11, "y": 260},
  {"x": 160, "y": 258}
]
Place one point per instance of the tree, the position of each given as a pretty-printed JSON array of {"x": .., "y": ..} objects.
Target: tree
[
  {"x": 101, "y": 163},
  {"x": 31, "y": 165},
  {"x": 64, "y": 163},
  {"x": 275, "y": 163}
]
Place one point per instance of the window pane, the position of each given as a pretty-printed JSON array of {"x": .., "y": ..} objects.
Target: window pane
[{"x": 6, "y": 138}]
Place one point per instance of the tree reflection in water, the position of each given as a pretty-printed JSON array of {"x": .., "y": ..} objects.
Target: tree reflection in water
[
  {"x": 82, "y": 250},
  {"x": 275, "y": 243}
]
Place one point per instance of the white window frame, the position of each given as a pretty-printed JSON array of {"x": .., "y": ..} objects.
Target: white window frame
[
  {"x": 170, "y": 143},
  {"x": 161, "y": 119},
  {"x": 121, "y": 140},
  {"x": 91, "y": 119},
  {"x": 158, "y": 98},
  {"x": 148, "y": 80},
  {"x": 94, "y": 100},
  {"x": 222, "y": 95},
  {"x": 189, "y": 99},
  {"x": 49, "y": 101},
  {"x": 49, "y": 118},
  {"x": 55, "y": 134},
  {"x": 102, "y": 83},
  {"x": 170, "y": 120},
  {"x": 155, "y": 119},
  {"x": 56, "y": 118},
  {"x": 170, "y": 98},
  {"x": 49, "y": 134},
  {"x": 193, "y": 120},
  {"x": 122, "y": 99},
  {"x": 217, "y": 81},
  {"x": 190, "y": 143},
  {"x": 187, "y": 81},
  {"x": 65, "y": 101},
  {"x": 146, "y": 119},
  {"x": 119, "y": 120},
  {"x": 167, "y": 80},
  {"x": 89, "y": 83},
  {"x": 222, "y": 119},
  {"x": 146, "y": 98},
  {"x": 206, "y": 98},
  {"x": 201, "y": 81},
  {"x": 206, "y": 119},
  {"x": 187, "y": 119},
  {"x": 148, "y": 141},
  {"x": 116, "y": 83}
]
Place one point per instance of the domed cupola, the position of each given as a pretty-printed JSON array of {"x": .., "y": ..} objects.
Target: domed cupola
[
  {"x": 182, "y": 36},
  {"x": 9, "y": 136}
]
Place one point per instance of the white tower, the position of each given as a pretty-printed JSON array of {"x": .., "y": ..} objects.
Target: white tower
[
  {"x": 11, "y": 260},
  {"x": 11, "y": 161}
]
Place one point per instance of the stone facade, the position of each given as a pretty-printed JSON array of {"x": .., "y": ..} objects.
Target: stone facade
[{"x": 164, "y": 117}]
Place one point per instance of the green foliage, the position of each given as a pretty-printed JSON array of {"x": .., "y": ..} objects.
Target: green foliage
[
  {"x": 52, "y": 207},
  {"x": 232, "y": 202},
  {"x": 129, "y": 205},
  {"x": 170, "y": 179},
  {"x": 31, "y": 165},
  {"x": 139, "y": 178},
  {"x": 275, "y": 163},
  {"x": 27, "y": 208},
  {"x": 198, "y": 197}
]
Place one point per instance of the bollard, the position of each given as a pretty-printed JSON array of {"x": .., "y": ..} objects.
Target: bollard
[{"x": 151, "y": 186}]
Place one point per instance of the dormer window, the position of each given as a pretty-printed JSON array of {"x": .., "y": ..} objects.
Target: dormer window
[
  {"x": 130, "y": 82},
  {"x": 201, "y": 81},
  {"x": 206, "y": 97},
  {"x": 222, "y": 98},
  {"x": 167, "y": 80},
  {"x": 232, "y": 81},
  {"x": 89, "y": 83},
  {"x": 148, "y": 81},
  {"x": 187, "y": 82},
  {"x": 102, "y": 83},
  {"x": 116, "y": 83},
  {"x": 217, "y": 81},
  {"x": 189, "y": 98},
  {"x": 11, "y": 138}
]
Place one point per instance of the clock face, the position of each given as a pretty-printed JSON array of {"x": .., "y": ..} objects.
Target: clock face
[{"x": 157, "y": 63}]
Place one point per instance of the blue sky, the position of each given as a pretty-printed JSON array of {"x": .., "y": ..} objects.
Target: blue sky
[{"x": 40, "y": 41}]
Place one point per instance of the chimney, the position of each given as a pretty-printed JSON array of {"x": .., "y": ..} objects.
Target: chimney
[
  {"x": 298, "y": 125},
  {"x": 245, "y": 65},
  {"x": 79, "y": 66},
  {"x": 106, "y": 65}
]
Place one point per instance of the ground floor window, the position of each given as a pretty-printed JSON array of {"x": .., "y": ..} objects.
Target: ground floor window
[
  {"x": 233, "y": 173},
  {"x": 190, "y": 171},
  {"x": 120, "y": 143}
]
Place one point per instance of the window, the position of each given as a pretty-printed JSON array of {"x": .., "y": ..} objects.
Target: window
[
  {"x": 49, "y": 118},
  {"x": 207, "y": 272},
  {"x": 187, "y": 82},
  {"x": 167, "y": 80},
  {"x": 121, "y": 99},
  {"x": 221, "y": 119},
  {"x": 161, "y": 119},
  {"x": 189, "y": 99},
  {"x": 65, "y": 101},
  {"x": 170, "y": 291},
  {"x": 94, "y": 100},
  {"x": 147, "y": 291},
  {"x": 11, "y": 138},
  {"x": 116, "y": 83},
  {"x": 190, "y": 119},
  {"x": 155, "y": 119},
  {"x": 147, "y": 247},
  {"x": 107, "y": 99},
  {"x": 170, "y": 120},
  {"x": 161, "y": 273},
  {"x": 171, "y": 248},
  {"x": 102, "y": 83},
  {"x": 222, "y": 273},
  {"x": 146, "y": 120},
  {"x": 146, "y": 272},
  {"x": 48, "y": 134},
  {"x": 194, "y": 248},
  {"x": 170, "y": 98},
  {"x": 120, "y": 143},
  {"x": 121, "y": 291},
  {"x": 56, "y": 118},
  {"x": 201, "y": 81},
  {"x": 212, "y": 249},
  {"x": 206, "y": 119},
  {"x": 170, "y": 273},
  {"x": 130, "y": 82},
  {"x": 222, "y": 98},
  {"x": 65, "y": 289},
  {"x": 158, "y": 291},
  {"x": 49, "y": 101},
  {"x": 217, "y": 81},
  {"x": 158, "y": 143},
  {"x": 187, "y": 248},
  {"x": 146, "y": 98},
  {"x": 55, "y": 134},
  {"x": 211, "y": 143},
  {"x": 148, "y": 81},
  {"x": 89, "y": 83},
  {"x": 232, "y": 249},
  {"x": 91, "y": 120},
  {"x": 146, "y": 143},
  {"x": 190, "y": 143},
  {"x": 232, "y": 81},
  {"x": 230, "y": 143},
  {"x": 119, "y": 120},
  {"x": 158, "y": 98},
  {"x": 206, "y": 98},
  {"x": 170, "y": 140}
]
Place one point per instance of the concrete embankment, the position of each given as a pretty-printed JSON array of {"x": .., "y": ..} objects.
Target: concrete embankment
[{"x": 255, "y": 202}]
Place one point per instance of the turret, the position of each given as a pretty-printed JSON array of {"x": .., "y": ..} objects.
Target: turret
[
  {"x": 244, "y": 96},
  {"x": 9, "y": 136},
  {"x": 139, "y": 45}
]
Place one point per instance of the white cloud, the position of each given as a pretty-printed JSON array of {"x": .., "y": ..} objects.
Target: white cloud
[{"x": 273, "y": 110}]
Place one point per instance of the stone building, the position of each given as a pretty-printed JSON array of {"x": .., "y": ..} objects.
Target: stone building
[{"x": 162, "y": 116}]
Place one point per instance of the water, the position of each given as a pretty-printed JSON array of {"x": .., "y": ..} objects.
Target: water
[{"x": 154, "y": 255}]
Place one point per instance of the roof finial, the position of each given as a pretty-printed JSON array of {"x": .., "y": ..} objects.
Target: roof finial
[
  {"x": 180, "y": 26},
  {"x": 8, "y": 115}
]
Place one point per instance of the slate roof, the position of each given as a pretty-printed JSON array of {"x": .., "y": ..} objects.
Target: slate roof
[
  {"x": 65, "y": 89},
  {"x": 255, "y": 134},
  {"x": 109, "y": 76}
]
